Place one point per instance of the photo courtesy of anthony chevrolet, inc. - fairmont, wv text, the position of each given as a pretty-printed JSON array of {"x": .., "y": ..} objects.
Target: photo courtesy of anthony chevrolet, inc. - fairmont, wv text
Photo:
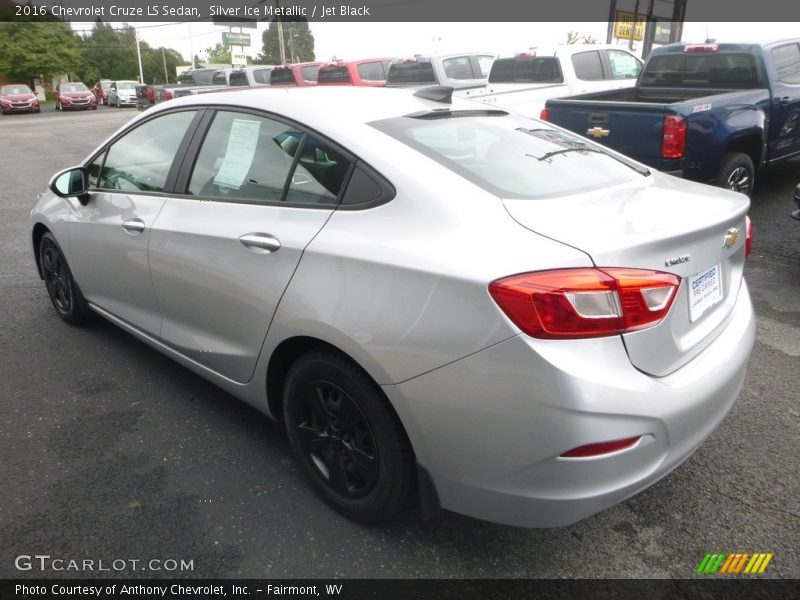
[{"x": 399, "y": 299}]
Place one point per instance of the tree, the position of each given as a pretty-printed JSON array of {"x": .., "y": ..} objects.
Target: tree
[
  {"x": 37, "y": 49},
  {"x": 109, "y": 53},
  {"x": 153, "y": 61},
  {"x": 298, "y": 42},
  {"x": 219, "y": 55},
  {"x": 573, "y": 37}
]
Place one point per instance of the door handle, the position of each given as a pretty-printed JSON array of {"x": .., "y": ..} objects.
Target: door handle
[
  {"x": 260, "y": 243},
  {"x": 133, "y": 226}
]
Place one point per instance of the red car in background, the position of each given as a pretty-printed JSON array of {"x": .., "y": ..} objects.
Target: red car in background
[
  {"x": 100, "y": 91},
  {"x": 299, "y": 74},
  {"x": 74, "y": 96},
  {"x": 18, "y": 98},
  {"x": 367, "y": 72}
]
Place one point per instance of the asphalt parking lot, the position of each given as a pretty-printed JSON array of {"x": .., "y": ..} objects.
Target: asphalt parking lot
[{"x": 108, "y": 450}]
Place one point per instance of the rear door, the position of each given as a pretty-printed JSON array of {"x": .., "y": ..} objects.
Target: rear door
[{"x": 223, "y": 251}]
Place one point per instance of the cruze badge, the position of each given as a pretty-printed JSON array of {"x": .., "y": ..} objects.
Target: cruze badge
[
  {"x": 731, "y": 237},
  {"x": 684, "y": 258}
]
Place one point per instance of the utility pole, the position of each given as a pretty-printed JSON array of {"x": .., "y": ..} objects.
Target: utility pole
[
  {"x": 280, "y": 33},
  {"x": 164, "y": 60},
  {"x": 138, "y": 55}
]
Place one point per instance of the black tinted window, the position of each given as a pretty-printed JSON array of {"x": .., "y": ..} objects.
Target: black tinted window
[
  {"x": 411, "y": 72},
  {"x": 141, "y": 159},
  {"x": 244, "y": 158},
  {"x": 319, "y": 174},
  {"x": 372, "y": 71},
  {"x": 544, "y": 69},
  {"x": 701, "y": 70},
  {"x": 333, "y": 75},
  {"x": 281, "y": 77},
  {"x": 588, "y": 65},
  {"x": 238, "y": 79},
  {"x": 787, "y": 63}
]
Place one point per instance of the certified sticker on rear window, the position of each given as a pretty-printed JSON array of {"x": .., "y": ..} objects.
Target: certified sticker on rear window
[{"x": 705, "y": 290}]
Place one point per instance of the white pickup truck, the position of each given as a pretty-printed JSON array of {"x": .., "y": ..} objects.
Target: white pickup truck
[{"x": 524, "y": 82}]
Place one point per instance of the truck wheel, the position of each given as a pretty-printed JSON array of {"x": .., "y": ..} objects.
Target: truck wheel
[{"x": 736, "y": 172}]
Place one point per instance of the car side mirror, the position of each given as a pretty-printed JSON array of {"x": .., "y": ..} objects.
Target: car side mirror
[{"x": 71, "y": 183}]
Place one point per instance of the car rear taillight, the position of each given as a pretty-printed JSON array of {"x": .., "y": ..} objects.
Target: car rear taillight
[
  {"x": 673, "y": 139},
  {"x": 748, "y": 236},
  {"x": 601, "y": 448},
  {"x": 151, "y": 95},
  {"x": 585, "y": 302},
  {"x": 544, "y": 114},
  {"x": 167, "y": 95}
]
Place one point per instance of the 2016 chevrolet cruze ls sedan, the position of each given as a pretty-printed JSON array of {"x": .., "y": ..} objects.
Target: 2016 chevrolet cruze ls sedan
[{"x": 444, "y": 302}]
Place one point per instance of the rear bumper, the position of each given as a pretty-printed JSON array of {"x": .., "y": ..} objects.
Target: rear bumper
[{"x": 490, "y": 428}]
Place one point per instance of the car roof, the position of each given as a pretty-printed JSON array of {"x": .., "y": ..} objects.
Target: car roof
[{"x": 313, "y": 106}]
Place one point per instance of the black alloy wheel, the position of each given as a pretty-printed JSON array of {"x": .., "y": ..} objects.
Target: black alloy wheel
[
  {"x": 737, "y": 173},
  {"x": 348, "y": 440},
  {"x": 61, "y": 287}
]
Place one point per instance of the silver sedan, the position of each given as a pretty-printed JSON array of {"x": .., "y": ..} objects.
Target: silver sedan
[{"x": 445, "y": 303}]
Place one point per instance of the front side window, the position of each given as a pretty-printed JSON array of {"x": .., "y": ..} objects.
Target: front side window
[
  {"x": 787, "y": 63},
  {"x": 588, "y": 65},
  {"x": 261, "y": 75},
  {"x": 623, "y": 65},
  {"x": 511, "y": 156},
  {"x": 484, "y": 64},
  {"x": 310, "y": 72},
  {"x": 141, "y": 159}
]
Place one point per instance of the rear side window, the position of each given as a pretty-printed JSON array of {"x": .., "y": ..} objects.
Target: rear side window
[
  {"x": 543, "y": 69},
  {"x": 787, "y": 63},
  {"x": 411, "y": 72},
  {"x": 319, "y": 174},
  {"x": 623, "y": 65},
  {"x": 701, "y": 70},
  {"x": 261, "y": 75},
  {"x": 310, "y": 72},
  {"x": 588, "y": 65},
  {"x": 334, "y": 75},
  {"x": 458, "y": 68},
  {"x": 511, "y": 156},
  {"x": 372, "y": 71},
  {"x": 484, "y": 64},
  {"x": 140, "y": 160}
]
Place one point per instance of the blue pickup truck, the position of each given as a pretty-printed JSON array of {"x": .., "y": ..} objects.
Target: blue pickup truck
[{"x": 714, "y": 113}]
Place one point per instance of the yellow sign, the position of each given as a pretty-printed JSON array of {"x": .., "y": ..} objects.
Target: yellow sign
[{"x": 623, "y": 27}]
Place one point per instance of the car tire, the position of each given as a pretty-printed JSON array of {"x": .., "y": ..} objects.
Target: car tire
[
  {"x": 57, "y": 107},
  {"x": 64, "y": 292},
  {"x": 737, "y": 173},
  {"x": 348, "y": 440}
]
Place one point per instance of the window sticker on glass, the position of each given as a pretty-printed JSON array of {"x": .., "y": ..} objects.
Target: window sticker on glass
[{"x": 239, "y": 154}]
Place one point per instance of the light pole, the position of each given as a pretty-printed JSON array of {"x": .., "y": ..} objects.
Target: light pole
[{"x": 139, "y": 55}]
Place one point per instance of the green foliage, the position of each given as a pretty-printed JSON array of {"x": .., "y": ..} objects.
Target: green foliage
[
  {"x": 108, "y": 53},
  {"x": 298, "y": 42},
  {"x": 219, "y": 55},
  {"x": 33, "y": 49}
]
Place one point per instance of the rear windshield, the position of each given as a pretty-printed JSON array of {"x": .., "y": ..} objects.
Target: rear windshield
[
  {"x": 219, "y": 78},
  {"x": 73, "y": 87},
  {"x": 411, "y": 72},
  {"x": 281, "y": 76},
  {"x": 543, "y": 69},
  {"x": 13, "y": 90},
  {"x": 198, "y": 77},
  {"x": 334, "y": 75},
  {"x": 511, "y": 156},
  {"x": 238, "y": 78},
  {"x": 713, "y": 69}
]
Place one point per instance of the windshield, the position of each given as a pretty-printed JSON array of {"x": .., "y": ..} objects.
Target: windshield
[
  {"x": 334, "y": 75},
  {"x": 528, "y": 69},
  {"x": 13, "y": 90},
  {"x": 105, "y": 84},
  {"x": 511, "y": 156},
  {"x": 411, "y": 72},
  {"x": 73, "y": 87},
  {"x": 126, "y": 85}
]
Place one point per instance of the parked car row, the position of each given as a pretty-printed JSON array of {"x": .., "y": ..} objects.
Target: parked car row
[{"x": 70, "y": 96}]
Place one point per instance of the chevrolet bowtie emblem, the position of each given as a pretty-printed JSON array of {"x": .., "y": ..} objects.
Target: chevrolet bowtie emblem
[
  {"x": 597, "y": 132},
  {"x": 731, "y": 237}
]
